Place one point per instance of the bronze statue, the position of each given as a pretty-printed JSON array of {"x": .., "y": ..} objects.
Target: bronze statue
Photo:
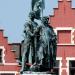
[
  {"x": 47, "y": 46},
  {"x": 30, "y": 30},
  {"x": 37, "y": 7},
  {"x": 40, "y": 43}
]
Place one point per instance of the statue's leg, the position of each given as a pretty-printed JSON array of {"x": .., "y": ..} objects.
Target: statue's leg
[
  {"x": 24, "y": 58},
  {"x": 54, "y": 51},
  {"x": 54, "y": 57},
  {"x": 40, "y": 55}
]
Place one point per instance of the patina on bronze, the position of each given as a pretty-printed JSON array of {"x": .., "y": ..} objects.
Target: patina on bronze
[{"x": 40, "y": 44}]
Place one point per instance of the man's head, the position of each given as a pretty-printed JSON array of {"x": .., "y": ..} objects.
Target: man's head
[
  {"x": 38, "y": 4},
  {"x": 45, "y": 20},
  {"x": 31, "y": 15}
]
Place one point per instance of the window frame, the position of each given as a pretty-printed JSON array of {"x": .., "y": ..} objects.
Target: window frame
[
  {"x": 3, "y": 55},
  {"x": 65, "y": 36},
  {"x": 65, "y": 28},
  {"x": 71, "y": 68}
]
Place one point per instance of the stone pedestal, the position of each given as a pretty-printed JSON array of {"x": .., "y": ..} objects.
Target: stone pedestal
[{"x": 36, "y": 73}]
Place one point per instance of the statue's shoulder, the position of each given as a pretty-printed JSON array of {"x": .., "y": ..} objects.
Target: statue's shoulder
[
  {"x": 52, "y": 31},
  {"x": 50, "y": 27}
]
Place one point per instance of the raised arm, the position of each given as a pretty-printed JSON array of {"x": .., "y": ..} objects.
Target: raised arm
[{"x": 27, "y": 30}]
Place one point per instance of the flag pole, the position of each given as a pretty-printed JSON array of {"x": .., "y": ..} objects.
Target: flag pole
[{"x": 42, "y": 7}]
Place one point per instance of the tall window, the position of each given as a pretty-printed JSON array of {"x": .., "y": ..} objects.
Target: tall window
[
  {"x": 0, "y": 55},
  {"x": 72, "y": 67}
]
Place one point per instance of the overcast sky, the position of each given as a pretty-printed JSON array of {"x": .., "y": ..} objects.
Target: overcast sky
[{"x": 13, "y": 14}]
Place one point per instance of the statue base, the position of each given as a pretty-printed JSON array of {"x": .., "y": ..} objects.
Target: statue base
[{"x": 37, "y": 73}]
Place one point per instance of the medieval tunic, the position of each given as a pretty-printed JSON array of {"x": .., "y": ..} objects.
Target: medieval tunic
[
  {"x": 29, "y": 44},
  {"x": 46, "y": 49}
]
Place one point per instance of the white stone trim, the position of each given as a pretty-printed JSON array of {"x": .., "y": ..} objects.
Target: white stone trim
[
  {"x": 11, "y": 64},
  {"x": 66, "y": 28},
  {"x": 60, "y": 68},
  {"x": 63, "y": 28},
  {"x": 67, "y": 64},
  {"x": 13, "y": 50},
  {"x": 60, "y": 64},
  {"x": 66, "y": 44},
  {"x": 68, "y": 59},
  {"x": 63, "y": 68},
  {"x": 3, "y": 54},
  {"x": 58, "y": 58},
  {"x": 14, "y": 72},
  {"x": 72, "y": 36}
]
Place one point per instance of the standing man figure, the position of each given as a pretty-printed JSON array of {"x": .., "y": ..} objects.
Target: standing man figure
[
  {"x": 30, "y": 30},
  {"x": 47, "y": 46}
]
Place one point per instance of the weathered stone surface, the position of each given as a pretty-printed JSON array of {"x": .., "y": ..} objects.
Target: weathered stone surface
[{"x": 36, "y": 73}]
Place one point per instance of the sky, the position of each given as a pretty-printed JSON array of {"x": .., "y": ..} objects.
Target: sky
[{"x": 14, "y": 13}]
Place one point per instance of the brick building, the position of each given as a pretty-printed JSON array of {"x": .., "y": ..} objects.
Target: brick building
[
  {"x": 8, "y": 60},
  {"x": 63, "y": 22}
]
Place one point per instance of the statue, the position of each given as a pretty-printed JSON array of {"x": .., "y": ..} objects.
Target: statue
[
  {"x": 30, "y": 40},
  {"x": 39, "y": 47},
  {"x": 37, "y": 7},
  {"x": 47, "y": 46}
]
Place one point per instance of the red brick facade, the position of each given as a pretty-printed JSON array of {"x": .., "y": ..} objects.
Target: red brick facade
[
  {"x": 8, "y": 66},
  {"x": 63, "y": 22}
]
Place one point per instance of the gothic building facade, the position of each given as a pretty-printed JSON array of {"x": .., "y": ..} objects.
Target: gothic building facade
[
  {"x": 63, "y": 22},
  {"x": 8, "y": 56}
]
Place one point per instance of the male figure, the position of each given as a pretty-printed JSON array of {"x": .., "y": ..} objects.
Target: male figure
[
  {"x": 47, "y": 46},
  {"x": 37, "y": 9},
  {"x": 30, "y": 31},
  {"x": 38, "y": 6}
]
